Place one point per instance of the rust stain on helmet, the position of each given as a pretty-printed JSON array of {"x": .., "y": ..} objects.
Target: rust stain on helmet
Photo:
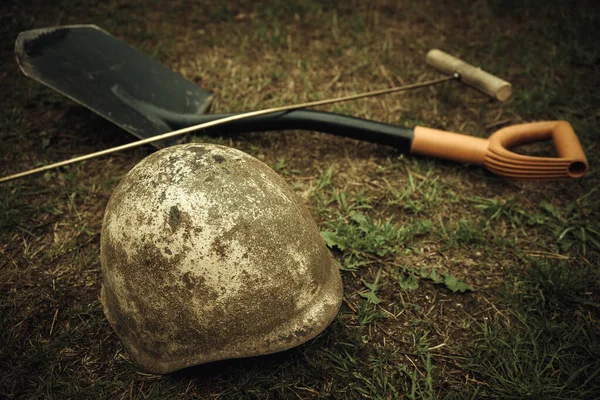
[{"x": 206, "y": 255}]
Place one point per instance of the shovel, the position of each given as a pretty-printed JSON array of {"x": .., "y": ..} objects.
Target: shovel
[{"x": 114, "y": 80}]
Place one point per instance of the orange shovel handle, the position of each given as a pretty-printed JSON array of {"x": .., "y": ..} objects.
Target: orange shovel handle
[{"x": 494, "y": 153}]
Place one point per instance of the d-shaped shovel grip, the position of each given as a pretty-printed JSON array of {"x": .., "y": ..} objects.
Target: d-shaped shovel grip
[{"x": 494, "y": 153}]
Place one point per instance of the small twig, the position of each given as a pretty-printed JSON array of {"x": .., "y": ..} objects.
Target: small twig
[
  {"x": 53, "y": 321},
  {"x": 497, "y": 123},
  {"x": 333, "y": 81},
  {"x": 313, "y": 391},
  {"x": 414, "y": 365},
  {"x": 418, "y": 175},
  {"x": 476, "y": 381},
  {"x": 350, "y": 306},
  {"x": 306, "y": 178},
  {"x": 437, "y": 347},
  {"x": 390, "y": 314},
  {"x": 537, "y": 253},
  {"x": 586, "y": 260}
]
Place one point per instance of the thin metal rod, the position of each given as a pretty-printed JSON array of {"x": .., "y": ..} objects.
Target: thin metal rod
[{"x": 223, "y": 121}]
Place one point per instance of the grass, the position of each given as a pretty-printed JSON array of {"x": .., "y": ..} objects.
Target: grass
[
  {"x": 547, "y": 347},
  {"x": 457, "y": 284}
]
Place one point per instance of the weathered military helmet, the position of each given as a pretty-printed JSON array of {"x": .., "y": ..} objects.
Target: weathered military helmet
[{"x": 206, "y": 255}]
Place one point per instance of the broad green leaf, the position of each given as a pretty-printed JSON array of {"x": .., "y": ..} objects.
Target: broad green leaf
[
  {"x": 552, "y": 210},
  {"x": 427, "y": 225},
  {"x": 332, "y": 240},
  {"x": 434, "y": 276},
  {"x": 359, "y": 218},
  {"x": 372, "y": 286},
  {"x": 409, "y": 283},
  {"x": 352, "y": 263},
  {"x": 370, "y": 296},
  {"x": 455, "y": 284}
]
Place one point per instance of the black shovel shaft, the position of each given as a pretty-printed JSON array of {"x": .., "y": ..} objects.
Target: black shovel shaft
[
  {"x": 335, "y": 124},
  {"x": 300, "y": 119}
]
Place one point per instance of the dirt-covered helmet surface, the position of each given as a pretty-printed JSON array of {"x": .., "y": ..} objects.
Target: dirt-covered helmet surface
[{"x": 207, "y": 254}]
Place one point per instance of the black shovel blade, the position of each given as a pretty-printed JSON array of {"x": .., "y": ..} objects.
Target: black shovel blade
[{"x": 104, "y": 74}]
